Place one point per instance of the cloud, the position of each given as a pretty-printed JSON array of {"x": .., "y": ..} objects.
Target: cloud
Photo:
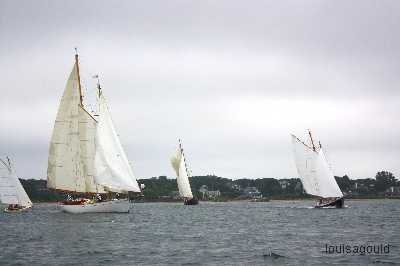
[{"x": 232, "y": 79}]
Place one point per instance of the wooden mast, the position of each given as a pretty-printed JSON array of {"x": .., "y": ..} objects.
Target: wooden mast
[
  {"x": 312, "y": 141},
  {"x": 79, "y": 77}
]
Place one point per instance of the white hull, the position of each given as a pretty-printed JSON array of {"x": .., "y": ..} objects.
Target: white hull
[{"x": 116, "y": 206}]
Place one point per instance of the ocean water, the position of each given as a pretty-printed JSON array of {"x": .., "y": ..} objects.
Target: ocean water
[{"x": 234, "y": 233}]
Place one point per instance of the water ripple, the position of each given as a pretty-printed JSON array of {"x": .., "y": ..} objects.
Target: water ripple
[{"x": 236, "y": 233}]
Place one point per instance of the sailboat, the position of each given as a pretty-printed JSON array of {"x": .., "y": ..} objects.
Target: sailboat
[
  {"x": 315, "y": 174},
  {"x": 86, "y": 159},
  {"x": 11, "y": 190},
  {"x": 182, "y": 177}
]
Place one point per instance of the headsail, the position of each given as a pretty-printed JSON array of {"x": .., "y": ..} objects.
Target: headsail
[
  {"x": 87, "y": 133},
  {"x": 182, "y": 178},
  {"x": 11, "y": 190},
  {"x": 314, "y": 172},
  {"x": 328, "y": 184},
  {"x": 112, "y": 168}
]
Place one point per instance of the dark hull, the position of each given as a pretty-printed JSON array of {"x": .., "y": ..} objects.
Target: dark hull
[
  {"x": 192, "y": 201},
  {"x": 337, "y": 203}
]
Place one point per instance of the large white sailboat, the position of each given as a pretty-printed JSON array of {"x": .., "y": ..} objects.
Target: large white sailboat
[
  {"x": 315, "y": 174},
  {"x": 182, "y": 177},
  {"x": 86, "y": 158},
  {"x": 11, "y": 190}
]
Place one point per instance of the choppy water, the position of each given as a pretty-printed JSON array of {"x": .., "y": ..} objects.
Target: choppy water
[{"x": 236, "y": 233}]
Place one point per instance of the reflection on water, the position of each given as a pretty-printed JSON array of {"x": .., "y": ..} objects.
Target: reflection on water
[{"x": 237, "y": 233}]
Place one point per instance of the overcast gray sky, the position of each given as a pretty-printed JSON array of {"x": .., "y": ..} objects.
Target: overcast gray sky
[{"x": 231, "y": 78}]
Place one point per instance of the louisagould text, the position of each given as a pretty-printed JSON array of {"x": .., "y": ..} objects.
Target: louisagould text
[{"x": 357, "y": 249}]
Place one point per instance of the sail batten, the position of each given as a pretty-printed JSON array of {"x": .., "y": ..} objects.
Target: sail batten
[{"x": 314, "y": 172}]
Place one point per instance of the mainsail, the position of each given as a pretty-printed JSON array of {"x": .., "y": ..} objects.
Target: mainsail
[
  {"x": 182, "y": 178},
  {"x": 64, "y": 171},
  {"x": 314, "y": 172},
  {"x": 82, "y": 147},
  {"x": 112, "y": 168},
  {"x": 11, "y": 190},
  {"x": 70, "y": 164}
]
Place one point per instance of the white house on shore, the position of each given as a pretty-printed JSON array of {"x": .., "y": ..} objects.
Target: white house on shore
[{"x": 209, "y": 194}]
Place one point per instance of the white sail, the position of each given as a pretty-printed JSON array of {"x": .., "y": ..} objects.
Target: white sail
[
  {"x": 64, "y": 171},
  {"x": 87, "y": 133},
  {"x": 328, "y": 185},
  {"x": 71, "y": 154},
  {"x": 11, "y": 190},
  {"x": 305, "y": 159},
  {"x": 314, "y": 172},
  {"x": 182, "y": 178},
  {"x": 112, "y": 169}
]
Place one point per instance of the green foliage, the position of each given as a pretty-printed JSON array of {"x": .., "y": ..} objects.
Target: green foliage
[
  {"x": 384, "y": 180},
  {"x": 268, "y": 186},
  {"x": 157, "y": 187},
  {"x": 37, "y": 191},
  {"x": 344, "y": 182},
  {"x": 160, "y": 188}
]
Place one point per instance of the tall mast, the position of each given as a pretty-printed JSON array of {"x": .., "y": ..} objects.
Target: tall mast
[
  {"x": 79, "y": 77},
  {"x": 312, "y": 141},
  {"x": 184, "y": 158}
]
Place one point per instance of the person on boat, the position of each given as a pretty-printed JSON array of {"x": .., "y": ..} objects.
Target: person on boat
[
  {"x": 99, "y": 198},
  {"x": 13, "y": 207}
]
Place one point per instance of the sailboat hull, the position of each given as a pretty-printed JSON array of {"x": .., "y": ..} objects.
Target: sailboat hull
[
  {"x": 112, "y": 206},
  {"x": 191, "y": 201},
  {"x": 337, "y": 203},
  {"x": 17, "y": 210}
]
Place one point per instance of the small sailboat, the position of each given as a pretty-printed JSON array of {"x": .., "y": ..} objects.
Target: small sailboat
[
  {"x": 86, "y": 158},
  {"x": 11, "y": 190},
  {"x": 182, "y": 177},
  {"x": 315, "y": 174}
]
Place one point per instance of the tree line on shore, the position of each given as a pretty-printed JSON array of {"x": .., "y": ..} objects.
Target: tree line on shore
[{"x": 161, "y": 188}]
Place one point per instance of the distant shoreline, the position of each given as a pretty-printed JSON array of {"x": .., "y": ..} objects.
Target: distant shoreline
[
  {"x": 219, "y": 189},
  {"x": 241, "y": 200}
]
